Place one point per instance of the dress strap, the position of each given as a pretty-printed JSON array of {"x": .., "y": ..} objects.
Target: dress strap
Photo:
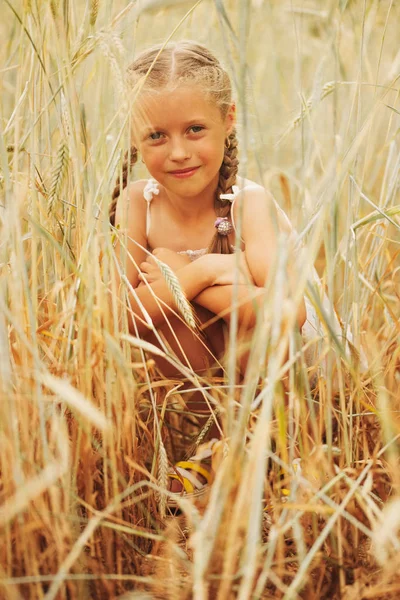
[
  {"x": 232, "y": 198},
  {"x": 236, "y": 192},
  {"x": 149, "y": 190}
]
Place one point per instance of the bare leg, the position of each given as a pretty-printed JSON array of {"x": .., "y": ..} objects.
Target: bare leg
[{"x": 198, "y": 351}]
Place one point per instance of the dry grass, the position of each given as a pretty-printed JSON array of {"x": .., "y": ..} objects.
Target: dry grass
[{"x": 86, "y": 424}]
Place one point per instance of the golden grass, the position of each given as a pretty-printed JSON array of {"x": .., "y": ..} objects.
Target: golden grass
[{"x": 87, "y": 427}]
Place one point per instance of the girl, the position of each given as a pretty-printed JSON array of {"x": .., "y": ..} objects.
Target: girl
[{"x": 183, "y": 127}]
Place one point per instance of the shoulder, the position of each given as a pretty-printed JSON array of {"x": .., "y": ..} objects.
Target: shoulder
[
  {"x": 249, "y": 194},
  {"x": 135, "y": 192},
  {"x": 256, "y": 204},
  {"x": 131, "y": 241},
  {"x": 131, "y": 207}
]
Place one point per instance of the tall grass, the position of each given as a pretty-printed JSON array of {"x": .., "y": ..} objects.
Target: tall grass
[{"x": 88, "y": 426}]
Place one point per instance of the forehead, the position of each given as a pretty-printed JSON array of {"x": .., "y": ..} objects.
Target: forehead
[{"x": 172, "y": 108}]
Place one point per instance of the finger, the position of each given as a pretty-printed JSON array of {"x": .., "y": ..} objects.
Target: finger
[
  {"x": 151, "y": 260},
  {"x": 146, "y": 277},
  {"x": 144, "y": 266}
]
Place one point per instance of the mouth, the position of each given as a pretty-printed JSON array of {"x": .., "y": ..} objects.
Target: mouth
[{"x": 184, "y": 172}]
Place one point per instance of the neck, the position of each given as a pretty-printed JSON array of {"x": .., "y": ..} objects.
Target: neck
[{"x": 192, "y": 207}]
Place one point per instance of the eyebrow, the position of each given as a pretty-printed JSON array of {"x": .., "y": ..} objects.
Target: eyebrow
[
  {"x": 193, "y": 121},
  {"x": 149, "y": 129},
  {"x": 153, "y": 128}
]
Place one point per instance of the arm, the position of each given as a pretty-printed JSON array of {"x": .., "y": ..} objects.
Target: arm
[
  {"x": 260, "y": 225},
  {"x": 158, "y": 300},
  {"x": 219, "y": 300},
  {"x": 261, "y": 220},
  {"x": 259, "y": 214},
  {"x": 155, "y": 298},
  {"x": 218, "y": 297}
]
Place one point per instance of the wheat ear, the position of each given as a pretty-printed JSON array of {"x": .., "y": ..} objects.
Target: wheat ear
[
  {"x": 179, "y": 297},
  {"x": 94, "y": 11},
  {"x": 59, "y": 173},
  {"x": 162, "y": 478}
]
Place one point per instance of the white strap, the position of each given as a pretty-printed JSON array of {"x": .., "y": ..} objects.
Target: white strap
[
  {"x": 232, "y": 196},
  {"x": 150, "y": 189},
  {"x": 236, "y": 192},
  {"x": 148, "y": 218},
  {"x": 233, "y": 218}
]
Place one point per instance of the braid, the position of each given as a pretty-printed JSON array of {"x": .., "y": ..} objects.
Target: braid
[
  {"x": 131, "y": 154},
  {"x": 227, "y": 178}
]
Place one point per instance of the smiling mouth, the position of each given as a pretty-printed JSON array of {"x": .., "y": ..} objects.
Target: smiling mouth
[{"x": 184, "y": 171}]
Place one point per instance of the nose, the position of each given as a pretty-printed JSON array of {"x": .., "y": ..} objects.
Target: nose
[{"x": 179, "y": 149}]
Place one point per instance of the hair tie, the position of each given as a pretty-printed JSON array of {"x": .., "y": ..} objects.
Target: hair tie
[{"x": 223, "y": 226}]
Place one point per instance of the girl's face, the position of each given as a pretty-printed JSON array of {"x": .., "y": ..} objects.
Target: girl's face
[{"x": 180, "y": 135}]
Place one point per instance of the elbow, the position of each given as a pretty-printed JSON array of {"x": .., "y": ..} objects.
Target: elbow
[
  {"x": 245, "y": 322},
  {"x": 250, "y": 311},
  {"x": 246, "y": 316}
]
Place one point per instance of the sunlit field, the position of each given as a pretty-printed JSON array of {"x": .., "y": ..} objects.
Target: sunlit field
[{"x": 306, "y": 497}]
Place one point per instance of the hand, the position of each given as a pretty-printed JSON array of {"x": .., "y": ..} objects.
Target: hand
[
  {"x": 223, "y": 267},
  {"x": 174, "y": 260},
  {"x": 150, "y": 271}
]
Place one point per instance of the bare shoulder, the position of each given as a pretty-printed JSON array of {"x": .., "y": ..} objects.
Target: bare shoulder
[
  {"x": 131, "y": 207},
  {"x": 133, "y": 195},
  {"x": 255, "y": 202}
]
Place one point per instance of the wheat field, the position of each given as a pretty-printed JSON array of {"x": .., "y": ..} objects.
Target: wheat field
[{"x": 88, "y": 427}]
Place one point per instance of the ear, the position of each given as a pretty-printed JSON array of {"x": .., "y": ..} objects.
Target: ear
[{"x": 230, "y": 119}]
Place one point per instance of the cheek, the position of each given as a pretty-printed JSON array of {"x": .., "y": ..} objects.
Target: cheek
[
  {"x": 152, "y": 158},
  {"x": 213, "y": 150},
  {"x": 219, "y": 155}
]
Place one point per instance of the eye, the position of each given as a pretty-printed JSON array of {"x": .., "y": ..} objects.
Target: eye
[
  {"x": 196, "y": 128},
  {"x": 155, "y": 136}
]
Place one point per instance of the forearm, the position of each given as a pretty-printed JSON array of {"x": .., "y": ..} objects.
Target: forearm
[
  {"x": 219, "y": 299},
  {"x": 157, "y": 300},
  {"x": 250, "y": 300}
]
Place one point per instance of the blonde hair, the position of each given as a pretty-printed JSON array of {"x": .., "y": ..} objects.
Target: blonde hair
[{"x": 181, "y": 63}]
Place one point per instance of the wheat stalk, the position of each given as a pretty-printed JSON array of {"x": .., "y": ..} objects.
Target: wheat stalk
[
  {"x": 59, "y": 174},
  {"x": 65, "y": 116},
  {"x": 178, "y": 295},
  {"x": 107, "y": 42},
  {"x": 82, "y": 503},
  {"x": 54, "y": 8},
  {"x": 94, "y": 11},
  {"x": 307, "y": 107},
  {"x": 162, "y": 477}
]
